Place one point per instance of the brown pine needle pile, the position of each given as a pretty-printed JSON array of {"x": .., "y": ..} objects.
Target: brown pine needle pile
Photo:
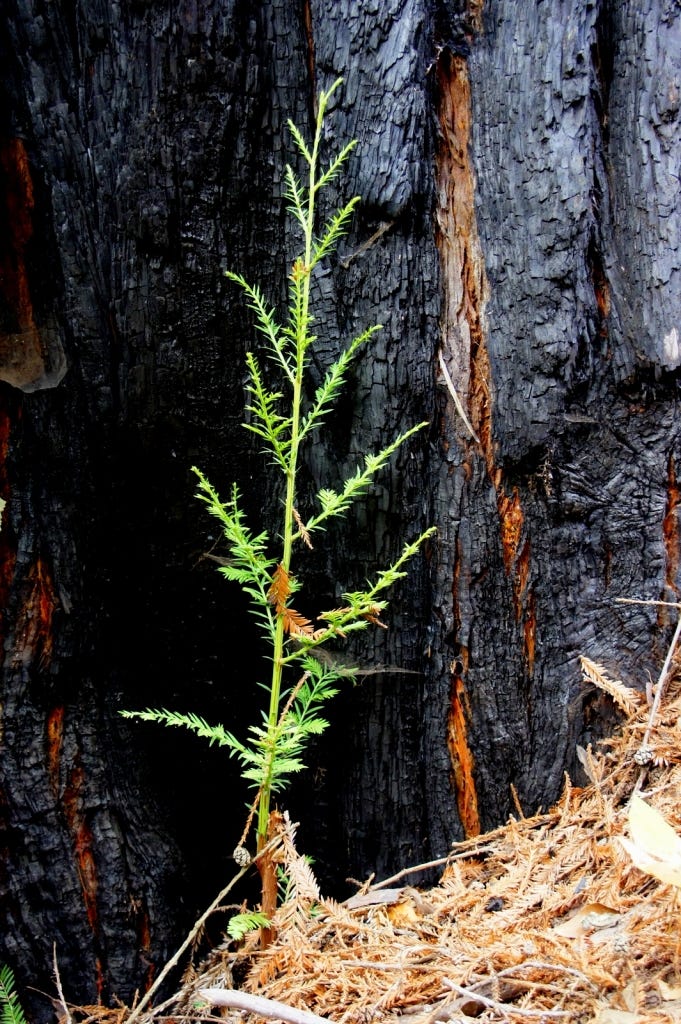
[{"x": 545, "y": 919}]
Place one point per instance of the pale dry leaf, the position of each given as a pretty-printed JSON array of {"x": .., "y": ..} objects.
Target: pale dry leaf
[
  {"x": 667, "y": 991},
  {"x": 631, "y": 995},
  {"x": 588, "y": 918},
  {"x": 609, "y": 1015},
  {"x": 586, "y": 761},
  {"x": 654, "y": 846}
]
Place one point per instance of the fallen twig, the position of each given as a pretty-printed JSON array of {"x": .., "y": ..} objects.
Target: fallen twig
[
  {"x": 257, "y": 1004},
  {"x": 504, "y": 1008},
  {"x": 57, "y": 978},
  {"x": 659, "y": 690},
  {"x": 457, "y": 401},
  {"x": 410, "y": 871}
]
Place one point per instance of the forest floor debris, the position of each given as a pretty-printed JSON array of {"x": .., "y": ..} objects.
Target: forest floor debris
[{"x": 546, "y": 918}]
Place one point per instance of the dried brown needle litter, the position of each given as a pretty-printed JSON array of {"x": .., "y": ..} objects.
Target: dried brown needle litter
[{"x": 544, "y": 919}]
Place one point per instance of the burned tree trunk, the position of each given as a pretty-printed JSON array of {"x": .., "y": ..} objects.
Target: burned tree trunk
[{"x": 518, "y": 239}]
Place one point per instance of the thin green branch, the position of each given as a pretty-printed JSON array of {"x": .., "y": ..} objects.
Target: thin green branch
[
  {"x": 327, "y": 392},
  {"x": 335, "y": 503}
]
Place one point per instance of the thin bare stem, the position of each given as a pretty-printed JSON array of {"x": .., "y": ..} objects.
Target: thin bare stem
[
  {"x": 506, "y": 1009},
  {"x": 409, "y": 871},
  {"x": 457, "y": 401},
  {"x": 659, "y": 689},
  {"x": 57, "y": 978}
]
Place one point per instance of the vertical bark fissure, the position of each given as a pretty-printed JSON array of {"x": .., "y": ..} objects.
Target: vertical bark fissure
[
  {"x": 20, "y": 357},
  {"x": 7, "y": 542},
  {"x": 463, "y": 351},
  {"x": 73, "y": 803},
  {"x": 34, "y": 635},
  {"x": 466, "y": 355},
  {"x": 671, "y": 532}
]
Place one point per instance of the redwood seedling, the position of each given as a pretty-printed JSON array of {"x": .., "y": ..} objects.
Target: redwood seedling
[{"x": 301, "y": 682}]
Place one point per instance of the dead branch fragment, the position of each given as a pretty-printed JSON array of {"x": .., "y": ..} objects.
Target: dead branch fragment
[{"x": 257, "y": 1004}]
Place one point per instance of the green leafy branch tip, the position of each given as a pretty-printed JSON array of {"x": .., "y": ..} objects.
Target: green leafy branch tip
[{"x": 11, "y": 1011}]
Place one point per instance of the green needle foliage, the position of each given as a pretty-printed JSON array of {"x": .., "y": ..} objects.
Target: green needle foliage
[
  {"x": 10, "y": 1007},
  {"x": 274, "y": 748}
]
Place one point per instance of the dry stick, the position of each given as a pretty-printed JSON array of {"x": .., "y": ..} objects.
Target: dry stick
[
  {"x": 457, "y": 401},
  {"x": 470, "y": 847},
  {"x": 659, "y": 688},
  {"x": 57, "y": 978},
  {"x": 408, "y": 871},
  {"x": 504, "y": 1008},
  {"x": 258, "y": 1004},
  {"x": 193, "y": 933}
]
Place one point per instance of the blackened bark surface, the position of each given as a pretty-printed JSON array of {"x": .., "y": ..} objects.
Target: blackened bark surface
[
  {"x": 519, "y": 227},
  {"x": 570, "y": 499}
]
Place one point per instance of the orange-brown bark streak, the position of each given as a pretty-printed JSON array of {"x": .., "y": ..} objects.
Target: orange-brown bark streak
[
  {"x": 19, "y": 204},
  {"x": 465, "y": 352},
  {"x": 460, "y": 752},
  {"x": 144, "y": 943},
  {"x": 54, "y": 729},
  {"x": 34, "y": 621},
  {"x": 460, "y": 251},
  {"x": 309, "y": 44},
  {"x": 83, "y": 845},
  {"x": 517, "y": 565}
]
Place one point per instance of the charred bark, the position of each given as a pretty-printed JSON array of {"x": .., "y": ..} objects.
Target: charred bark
[{"x": 519, "y": 230}]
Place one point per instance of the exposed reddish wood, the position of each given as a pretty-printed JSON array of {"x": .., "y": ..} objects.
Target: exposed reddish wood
[
  {"x": 19, "y": 203},
  {"x": 55, "y": 735},
  {"x": 145, "y": 944},
  {"x": 460, "y": 252},
  {"x": 465, "y": 349},
  {"x": 465, "y": 354},
  {"x": 511, "y": 523},
  {"x": 521, "y": 576},
  {"x": 83, "y": 848},
  {"x": 460, "y": 752},
  {"x": 602, "y": 294},
  {"x": 21, "y": 351},
  {"x": 34, "y": 622}
]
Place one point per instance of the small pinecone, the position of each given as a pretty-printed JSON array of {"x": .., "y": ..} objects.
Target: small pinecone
[
  {"x": 643, "y": 756},
  {"x": 242, "y": 857}
]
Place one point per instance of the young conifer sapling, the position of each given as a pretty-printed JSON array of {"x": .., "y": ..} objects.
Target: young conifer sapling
[{"x": 300, "y": 682}]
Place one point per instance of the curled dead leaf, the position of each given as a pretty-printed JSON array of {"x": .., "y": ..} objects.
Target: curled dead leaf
[
  {"x": 589, "y": 918},
  {"x": 654, "y": 846}
]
